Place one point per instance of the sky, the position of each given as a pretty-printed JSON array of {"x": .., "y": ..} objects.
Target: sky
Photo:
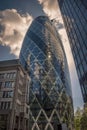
[{"x": 16, "y": 17}]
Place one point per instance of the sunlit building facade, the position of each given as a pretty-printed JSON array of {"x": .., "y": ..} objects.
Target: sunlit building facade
[
  {"x": 14, "y": 96},
  {"x": 43, "y": 57},
  {"x": 74, "y": 13}
]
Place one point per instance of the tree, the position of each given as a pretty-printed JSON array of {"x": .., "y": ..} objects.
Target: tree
[
  {"x": 83, "y": 121},
  {"x": 77, "y": 118}
]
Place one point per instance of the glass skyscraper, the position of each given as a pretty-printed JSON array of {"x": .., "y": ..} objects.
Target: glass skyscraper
[
  {"x": 43, "y": 57},
  {"x": 74, "y": 13}
]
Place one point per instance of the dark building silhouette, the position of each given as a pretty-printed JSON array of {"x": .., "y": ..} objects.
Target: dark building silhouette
[
  {"x": 43, "y": 57},
  {"x": 74, "y": 13}
]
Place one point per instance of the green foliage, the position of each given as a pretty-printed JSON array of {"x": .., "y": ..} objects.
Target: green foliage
[
  {"x": 83, "y": 121},
  {"x": 80, "y": 119},
  {"x": 77, "y": 119},
  {"x": 77, "y": 123}
]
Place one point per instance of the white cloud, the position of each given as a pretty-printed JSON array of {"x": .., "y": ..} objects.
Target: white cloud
[
  {"x": 13, "y": 27},
  {"x": 50, "y": 7}
]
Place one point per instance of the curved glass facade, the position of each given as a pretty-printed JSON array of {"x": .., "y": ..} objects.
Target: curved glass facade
[
  {"x": 50, "y": 97},
  {"x": 74, "y": 14}
]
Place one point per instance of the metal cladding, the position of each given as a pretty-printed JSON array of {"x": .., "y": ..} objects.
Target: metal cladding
[{"x": 42, "y": 55}]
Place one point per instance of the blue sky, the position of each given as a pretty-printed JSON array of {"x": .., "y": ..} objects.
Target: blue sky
[{"x": 15, "y": 18}]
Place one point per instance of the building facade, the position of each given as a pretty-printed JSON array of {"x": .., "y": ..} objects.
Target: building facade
[
  {"x": 14, "y": 96},
  {"x": 50, "y": 97},
  {"x": 74, "y": 13}
]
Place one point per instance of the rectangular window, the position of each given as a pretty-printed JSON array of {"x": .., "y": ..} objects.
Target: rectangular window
[
  {"x": 7, "y": 75},
  {"x": 2, "y": 76},
  {"x": 14, "y": 74},
  {"x": 27, "y": 110},
  {"x": 9, "y": 84},
  {"x": 0, "y": 85},
  {"x": 1, "y": 93},
  {"x": 10, "y": 94},
  {"x": 5, "y": 105},
  {"x": 10, "y": 75},
  {"x": 7, "y": 94},
  {"x": 2, "y": 105},
  {"x": 3, "y": 117}
]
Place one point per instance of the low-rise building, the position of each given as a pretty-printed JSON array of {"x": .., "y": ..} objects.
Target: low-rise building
[{"x": 14, "y": 96}]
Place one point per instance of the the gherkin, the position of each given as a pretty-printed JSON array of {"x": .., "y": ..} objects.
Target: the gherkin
[{"x": 50, "y": 98}]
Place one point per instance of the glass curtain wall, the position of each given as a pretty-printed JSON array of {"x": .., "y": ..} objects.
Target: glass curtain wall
[
  {"x": 43, "y": 57},
  {"x": 74, "y": 13}
]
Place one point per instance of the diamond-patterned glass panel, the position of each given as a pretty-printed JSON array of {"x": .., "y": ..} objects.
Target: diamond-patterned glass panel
[
  {"x": 42, "y": 74},
  {"x": 49, "y": 128},
  {"x": 46, "y": 65},
  {"x": 53, "y": 75},
  {"x": 35, "y": 108},
  {"x": 35, "y": 128},
  {"x": 31, "y": 121},
  {"x": 41, "y": 58},
  {"x": 31, "y": 96},
  {"x": 41, "y": 97},
  {"x": 32, "y": 58},
  {"x": 46, "y": 62},
  {"x": 48, "y": 106},
  {"x": 36, "y": 51},
  {"x": 55, "y": 121},
  {"x": 58, "y": 86},
  {"x": 42, "y": 121},
  {"x": 53, "y": 96},
  {"x": 54, "y": 118},
  {"x": 47, "y": 84}
]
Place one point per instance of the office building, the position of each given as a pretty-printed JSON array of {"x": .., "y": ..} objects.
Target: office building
[
  {"x": 74, "y": 13},
  {"x": 50, "y": 97},
  {"x": 14, "y": 96}
]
